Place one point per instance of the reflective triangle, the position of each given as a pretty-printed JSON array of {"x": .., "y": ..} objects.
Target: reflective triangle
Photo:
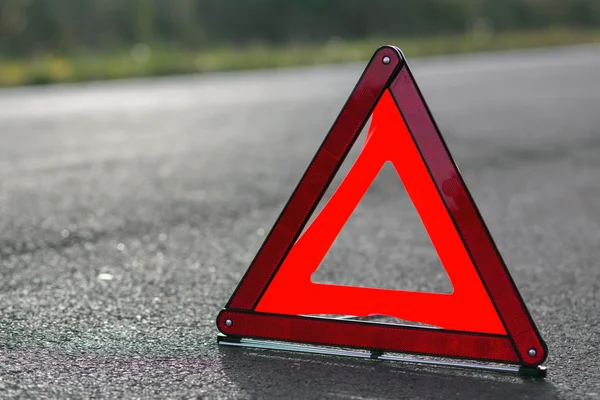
[
  {"x": 484, "y": 318},
  {"x": 292, "y": 292}
]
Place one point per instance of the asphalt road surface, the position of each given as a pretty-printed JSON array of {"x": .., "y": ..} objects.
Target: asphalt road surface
[{"x": 130, "y": 210}]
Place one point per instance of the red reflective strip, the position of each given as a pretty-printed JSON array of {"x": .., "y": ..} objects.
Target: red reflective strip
[
  {"x": 292, "y": 292},
  {"x": 329, "y": 332},
  {"x": 316, "y": 178},
  {"x": 467, "y": 219}
]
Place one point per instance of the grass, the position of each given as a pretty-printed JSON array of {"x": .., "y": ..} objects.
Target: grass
[{"x": 142, "y": 60}]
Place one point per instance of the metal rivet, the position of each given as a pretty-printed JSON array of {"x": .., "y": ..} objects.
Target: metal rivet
[
  {"x": 228, "y": 322},
  {"x": 386, "y": 60},
  {"x": 532, "y": 352}
]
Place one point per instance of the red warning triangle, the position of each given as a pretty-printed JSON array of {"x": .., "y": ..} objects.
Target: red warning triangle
[
  {"x": 483, "y": 318},
  {"x": 292, "y": 292}
]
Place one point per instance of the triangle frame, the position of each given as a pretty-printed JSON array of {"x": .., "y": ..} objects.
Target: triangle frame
[{"x": 522, "y": 344}]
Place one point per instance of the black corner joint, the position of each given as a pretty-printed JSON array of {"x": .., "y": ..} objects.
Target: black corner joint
[
  {"x": 538, "y": 371},
  {"x": 228, "y": 339}
]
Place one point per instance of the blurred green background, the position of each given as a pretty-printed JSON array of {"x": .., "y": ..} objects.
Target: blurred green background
[{"x": 45, "y": 41}]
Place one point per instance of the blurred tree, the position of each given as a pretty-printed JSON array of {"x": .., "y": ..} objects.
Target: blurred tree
[{"x": 28, "y": 27}]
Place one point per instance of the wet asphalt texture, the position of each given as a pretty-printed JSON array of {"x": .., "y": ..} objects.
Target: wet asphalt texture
[{"x": 130, "y": 210}]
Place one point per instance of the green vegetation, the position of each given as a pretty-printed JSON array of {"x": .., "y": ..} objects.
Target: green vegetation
[
  {"x": 143, "y": 60},
  {"x": 45, "y": 41}
]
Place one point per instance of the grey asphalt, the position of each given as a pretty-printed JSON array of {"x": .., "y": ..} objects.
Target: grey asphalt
[{"x": 130, "y": 210}]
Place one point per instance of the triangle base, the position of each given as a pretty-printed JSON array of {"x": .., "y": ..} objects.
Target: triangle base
[
  {"x": 379, "y": 337},
  {"x": 234, "y": 341}
]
